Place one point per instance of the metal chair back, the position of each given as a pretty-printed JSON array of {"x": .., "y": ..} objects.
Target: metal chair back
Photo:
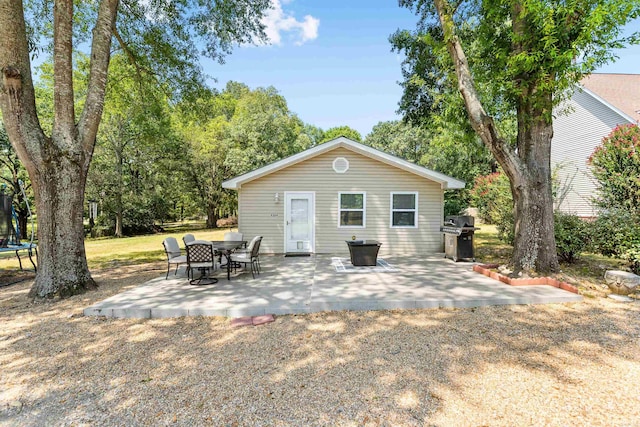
[
  {"x": 188, "y": 238},
  {"x": 198, "y": 253},
  {"x": 171, "y": 247},
  {"x": 256, "y": 247},
  {"x": 233, "y": 236}
]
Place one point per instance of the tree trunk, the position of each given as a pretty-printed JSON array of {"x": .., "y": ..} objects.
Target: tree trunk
[
  {"x": 212, "y": 215},
  {"x": 62, "y": 265},
  {"x": 119, "y": 188},
  {"x": 528, "y": 167},
  {"x": 534, "y": 244},
  {"x": 57, "y": 165},
  {"x": 119, "y": 216}
]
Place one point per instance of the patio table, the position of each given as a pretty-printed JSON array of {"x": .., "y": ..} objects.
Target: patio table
[{"x": 226, "y": 248}]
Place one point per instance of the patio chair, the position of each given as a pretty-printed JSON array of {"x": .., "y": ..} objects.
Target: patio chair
[
  {"x": 250, "y": 257},
  {"x": 232, "y": 236},
  {"x": 172, "y": 250},
  {"x": 200, "y": 255},
  {"x": 188, "y": 238}
]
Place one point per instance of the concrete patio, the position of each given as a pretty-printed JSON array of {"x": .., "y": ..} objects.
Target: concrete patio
[{"x": 312, "y": 284}]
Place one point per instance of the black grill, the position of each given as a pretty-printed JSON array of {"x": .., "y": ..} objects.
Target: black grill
[{"x": 458, "y": 237}]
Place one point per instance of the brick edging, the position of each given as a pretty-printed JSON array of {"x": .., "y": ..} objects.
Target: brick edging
[{"x": 486, "y": 270}]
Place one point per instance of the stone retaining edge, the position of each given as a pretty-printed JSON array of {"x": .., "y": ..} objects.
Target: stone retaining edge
[{"x": 486, "y": 270}]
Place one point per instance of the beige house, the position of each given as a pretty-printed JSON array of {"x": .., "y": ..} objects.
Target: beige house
[
  {"x": 596, "y": 107},
  {"x": 313, "y": 201}
]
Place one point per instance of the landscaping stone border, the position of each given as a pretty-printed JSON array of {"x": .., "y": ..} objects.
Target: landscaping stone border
[
  {"x": 252, "y": 320},
  {"x": 486, "y": 269}
]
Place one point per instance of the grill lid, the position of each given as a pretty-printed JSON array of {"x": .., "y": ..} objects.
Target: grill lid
[{"x": 460, "y": 221}]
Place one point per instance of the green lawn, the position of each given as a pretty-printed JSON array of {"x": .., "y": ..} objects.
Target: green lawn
[
  {"x": 111, "y": 252},
  {"x": 489, "y": 248},
  {"x": 588, "y": 271}
]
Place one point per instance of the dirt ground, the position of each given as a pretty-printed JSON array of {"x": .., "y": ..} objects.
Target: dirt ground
[{"x": 561, "y": 364}]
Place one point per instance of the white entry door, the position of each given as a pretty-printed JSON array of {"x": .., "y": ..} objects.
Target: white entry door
[{"x": 299, "y": 225}]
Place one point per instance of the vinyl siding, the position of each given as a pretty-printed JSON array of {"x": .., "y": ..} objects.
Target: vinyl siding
[
  {"x": 576, "y": 133},
  {"x": 259, "y": 214}
]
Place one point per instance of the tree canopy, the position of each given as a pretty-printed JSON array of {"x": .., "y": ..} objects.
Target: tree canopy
[
  {"x": 512, "y": 62},
  {"x": 161, "y": 40},
  {"x": 346, "y": 131}
]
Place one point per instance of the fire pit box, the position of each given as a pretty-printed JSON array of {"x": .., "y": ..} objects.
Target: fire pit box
[{"x": 363, "y": 252}]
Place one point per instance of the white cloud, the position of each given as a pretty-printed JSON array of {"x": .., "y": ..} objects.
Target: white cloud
[{"x": 277, "y": 22}]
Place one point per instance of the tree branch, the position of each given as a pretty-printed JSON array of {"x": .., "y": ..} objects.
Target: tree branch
[
  {"x": 63, "y": 101},
  {"x": 100, "y": 55},
  {"x": 132, "y": 59},
  {"x": 481, "y": 122},
  {"x": 17, "y": 97}
]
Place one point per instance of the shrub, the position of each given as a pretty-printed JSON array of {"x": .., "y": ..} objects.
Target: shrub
[
  {"x": 617, "y": 233},
  {"x": 633, "y": 256},
  {"x": 454, "y": 203},
  {"x": 616, "y": 166},
  {"x": 506, "y": 226},
  {"x": 491, "y": 194},
  {"x": 572, "y": 236}
]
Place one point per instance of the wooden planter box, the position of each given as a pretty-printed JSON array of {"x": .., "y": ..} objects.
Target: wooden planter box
[{"x": 363, "y": 252}]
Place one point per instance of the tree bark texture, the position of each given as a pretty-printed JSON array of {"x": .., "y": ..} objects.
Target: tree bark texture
[
  {"x": 57, "y": 165},
  {"x": 534, "y": 244},
  {"x": 63, "y": 269},
  {"x": 528, "y": 166},
  {"x": 119, "y": 161}
]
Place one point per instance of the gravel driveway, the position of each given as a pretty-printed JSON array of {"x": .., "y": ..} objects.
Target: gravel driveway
[{"x": 563, "y": 364}]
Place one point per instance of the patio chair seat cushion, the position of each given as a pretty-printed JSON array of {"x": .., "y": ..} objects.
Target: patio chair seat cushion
[
  {"x": 202, "y": 265},
  {"x": 172, "y": 250},
  {"x": 180, "y": 259},
  {"x": 241, "y": 257}
]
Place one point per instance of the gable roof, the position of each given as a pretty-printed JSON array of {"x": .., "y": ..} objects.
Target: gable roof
[
  {"x": 621, "y": 91},
  {"x": 445, "y": 181}
]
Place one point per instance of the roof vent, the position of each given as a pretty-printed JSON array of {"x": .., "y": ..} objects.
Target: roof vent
[{"x": 340, "y": 165}]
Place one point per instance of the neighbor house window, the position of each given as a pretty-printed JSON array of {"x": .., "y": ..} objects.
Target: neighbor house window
[
  {"x": 404, "y": 210},
  {"x": 353, "y": 207}
]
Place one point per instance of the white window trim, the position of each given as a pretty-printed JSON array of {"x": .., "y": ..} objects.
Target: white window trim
[
  {"x": 391, "y": 210},
  {"x": 364, "y": 209}
]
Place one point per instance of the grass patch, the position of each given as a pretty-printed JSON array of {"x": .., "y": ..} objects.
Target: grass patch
[
  {"x": 111, "y": 252},
  {"x": 587, "y": 271},
  {"x": 490, "y": 249}
]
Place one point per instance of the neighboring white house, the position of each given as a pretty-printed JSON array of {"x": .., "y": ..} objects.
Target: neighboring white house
[
  {"x": 602, "y": 102},
  {"x": 313, "y": 201}
]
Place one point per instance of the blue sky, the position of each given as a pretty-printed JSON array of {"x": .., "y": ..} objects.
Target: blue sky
[{"x": 332, "y": 60}]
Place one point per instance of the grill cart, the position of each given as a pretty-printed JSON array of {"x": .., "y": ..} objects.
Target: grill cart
[{"x": 458, "y": 237}]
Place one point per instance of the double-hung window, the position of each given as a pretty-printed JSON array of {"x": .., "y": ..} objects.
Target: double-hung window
[
  {"x": 352, "y": 209},
  {"x": 404, "y": 210}
]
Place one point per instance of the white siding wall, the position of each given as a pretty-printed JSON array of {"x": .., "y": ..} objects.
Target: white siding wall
[
  {"x": 260, "y": 215},
  {"x": 576, "y": 134}
]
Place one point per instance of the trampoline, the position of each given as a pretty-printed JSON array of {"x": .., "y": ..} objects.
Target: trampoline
[{"x": 10, "y": 234}]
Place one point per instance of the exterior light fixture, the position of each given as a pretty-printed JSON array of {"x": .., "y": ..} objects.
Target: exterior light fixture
[{"x": 276, "y": 197}]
